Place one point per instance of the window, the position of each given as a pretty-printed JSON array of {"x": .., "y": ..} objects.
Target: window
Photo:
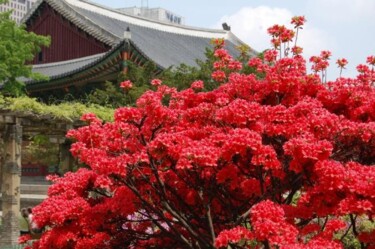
[{"x": 40, "y": 56}]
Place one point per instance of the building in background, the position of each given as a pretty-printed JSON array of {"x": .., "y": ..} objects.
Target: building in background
[
  {"x": 19, "y": 7},
  {"x": 157, "y": 14}
]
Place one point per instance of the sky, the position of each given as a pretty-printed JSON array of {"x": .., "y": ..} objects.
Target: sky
[{"x": 344, "y": 27}]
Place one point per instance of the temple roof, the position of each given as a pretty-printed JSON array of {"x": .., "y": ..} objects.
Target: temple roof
[{"x": 165, "y": 44}]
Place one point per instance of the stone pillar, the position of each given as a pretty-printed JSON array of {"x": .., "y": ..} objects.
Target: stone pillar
[
  {"x": 66, "y": 158},
  {"x": 11, "y": 182}
]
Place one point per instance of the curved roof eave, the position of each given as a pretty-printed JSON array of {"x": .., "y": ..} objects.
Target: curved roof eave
[
  {"x": 100, "y": 58},
  {"x": 233, "y": 38}
]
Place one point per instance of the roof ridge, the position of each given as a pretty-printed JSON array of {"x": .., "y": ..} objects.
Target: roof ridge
[
  {"x": 145, "y": 22},
  {"x": 182, "y": 26}
]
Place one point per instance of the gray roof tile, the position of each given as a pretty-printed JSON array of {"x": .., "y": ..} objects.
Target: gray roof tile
[
  {"x": 58, "y": 68},
  {"x": 164, "y": 48}
]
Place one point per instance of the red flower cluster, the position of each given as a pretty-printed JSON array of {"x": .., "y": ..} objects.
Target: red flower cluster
[
  {"x": 298, "y": 21},
  {"x": 371, "y": 60},
  {"x": 219, "y": 76},
  {"x": 282, "y": 37},
  {"x": 197, "y": 85},
  {"x": 280, "y": 34},
  {"x": 279, "y": 160},
  {"x": 320, "y": 63},
  {"x": 225, "y": 64},
  {"x": 126, "y": 85},
  {"x": 156, "y": 82},
  {"x": 342, "y": 62},
  {"x": 270, "y": 56},
  {"x": 268, "y": 221},
  {"x": 233, "y": 236},
  {"x": 297, "y": 50}
]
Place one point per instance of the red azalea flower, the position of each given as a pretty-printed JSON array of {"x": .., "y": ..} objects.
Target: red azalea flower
[
  {"x": 297, "y": 50},
  {"x": 126, "y": 85},
  {"x": 325, "y": 54},
  {"x": 156, "y": 82},
  {"x": 298, "y": 21},
  {"x": 342, "y": 62},
  {"x": 198, "y": 85},
  {"x": 371, "y": 60},
  {"x": 219, "y": 76}
]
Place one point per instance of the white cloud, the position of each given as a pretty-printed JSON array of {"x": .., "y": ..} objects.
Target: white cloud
[
  {"x": 251, "y": 24},
  {"x": 314, "y": 40}
]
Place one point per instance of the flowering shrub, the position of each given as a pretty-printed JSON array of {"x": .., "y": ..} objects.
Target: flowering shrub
[{"x": 281, "y": 161}]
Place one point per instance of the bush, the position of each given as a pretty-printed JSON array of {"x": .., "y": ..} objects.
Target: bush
[{"x": 278, "y": 161}]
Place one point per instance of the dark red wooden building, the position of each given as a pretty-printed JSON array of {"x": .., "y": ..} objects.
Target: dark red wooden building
[{"x": 67, "y": 40}]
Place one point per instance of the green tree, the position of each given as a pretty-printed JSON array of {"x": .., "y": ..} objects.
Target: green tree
[
  {"x": 180, "y": 77},
  {"x": 17, "y": 47},
  {"x": 183, "y": 75},
  {"x": 111, "y": 95}
]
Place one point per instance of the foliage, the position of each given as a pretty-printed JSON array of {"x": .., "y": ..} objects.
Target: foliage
[
  {"x": 67, "y": 110},
  {"x": 42, "y": 151},
  {"x": 278, "y": 161},
  {"x": 183, "y": 76},
  {"x": 109, "y": 95},
  {"x": 17, "y": 46},
  {"x": 180, "y": 77},
  {"x": 112, "y": 96}
]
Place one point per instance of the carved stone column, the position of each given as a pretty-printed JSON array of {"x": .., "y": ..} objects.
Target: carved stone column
[
  {"x": 66, "y": 158},
  {"x": 11, "y": 181}
]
